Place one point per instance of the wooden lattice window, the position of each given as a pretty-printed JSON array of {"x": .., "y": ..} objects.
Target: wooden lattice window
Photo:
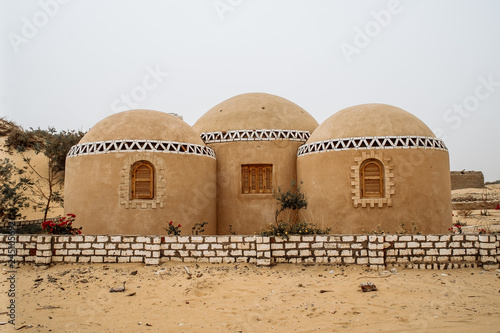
[
  {"x": 142, "y": 181},
  {"x": 256, "y": 178},
  {"x": 372, "y": 179}
]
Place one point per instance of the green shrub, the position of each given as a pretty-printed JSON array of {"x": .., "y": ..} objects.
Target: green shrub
[
  {"x": 293, "y": 200},
  {"x": 285, "y": 229}
]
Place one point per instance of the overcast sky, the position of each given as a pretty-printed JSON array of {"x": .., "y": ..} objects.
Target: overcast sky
[{"x": 69, "y": 64}]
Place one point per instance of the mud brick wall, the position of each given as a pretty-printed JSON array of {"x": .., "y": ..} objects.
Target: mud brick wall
[
  {"x": 216, "y": 249},
  {"x": 346, "y": 249},
  {"x": 150, "y": 250},
  {"x": 468, "y": 179},
  {"x": 442, "y": 251},
  {"x": 375, "y": 251}
]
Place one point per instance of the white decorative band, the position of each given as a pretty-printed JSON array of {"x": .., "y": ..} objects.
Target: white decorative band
[
  {"x": 128, "y": 146},
  {"x": 376, "y": 142},
  {"x": 254, "y": 135}
]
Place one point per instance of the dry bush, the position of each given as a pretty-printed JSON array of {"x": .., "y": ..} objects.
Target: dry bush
[{"x": 465, "y": 212}]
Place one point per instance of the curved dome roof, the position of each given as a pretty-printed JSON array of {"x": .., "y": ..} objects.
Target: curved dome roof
[
  {"x": 369, "y": 120},
  {"x": 142, "y": 125},
  {"x": 255, "y": 111}
]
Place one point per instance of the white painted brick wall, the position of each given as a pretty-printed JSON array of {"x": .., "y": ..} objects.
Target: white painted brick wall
[
  {"x": 445, "y": 252},
  {"x": 346, "y": 253},
  {"x": 332, "y": 253},
  {"x": 348, "y": 260},
  {"x": 116, "y": 239},
  {"x": 411, "y": 250}
]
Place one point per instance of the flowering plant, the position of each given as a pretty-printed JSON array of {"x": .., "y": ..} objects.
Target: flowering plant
[
  {"x": 482, "y": 231},
  {"x": 172, "y": 229},
  {"x": 457, "y": 228},
  {"x": 63, "y": 227}
]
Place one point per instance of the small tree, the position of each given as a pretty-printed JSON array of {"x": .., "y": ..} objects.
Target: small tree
[
  {"x": 12, "y": 198},
  {"x": 45, "y": 188},
  {"x": 292, "y": 199}
]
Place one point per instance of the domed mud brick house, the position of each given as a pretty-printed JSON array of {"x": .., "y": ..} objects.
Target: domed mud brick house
[
  {"x": 255, "y": 137},
  {"x": 365, "y": 166},
  {"x": 376, "y": 164},
  {"x": 137, "y": 169}
]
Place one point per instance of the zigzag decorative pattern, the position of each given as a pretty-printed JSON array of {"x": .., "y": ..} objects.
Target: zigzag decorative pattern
[
  {"x": 254, "y": 135},
  {"x": 377, "y": 142},
  {"x": 120, "y": 146}
]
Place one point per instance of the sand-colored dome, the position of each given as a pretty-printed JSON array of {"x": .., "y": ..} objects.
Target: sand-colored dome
[
  {"x": 142, "y": 125},
  {"x": 256, "y": 111},
  {"x": 369, "y": 120}
]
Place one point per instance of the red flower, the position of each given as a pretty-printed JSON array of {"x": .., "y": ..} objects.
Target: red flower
[
  {"x": 179, "y": 226},
  {"x": 72, "y": 215},
  {"x": 171, "y": 222},
  {"x": 497, "y": 207}
]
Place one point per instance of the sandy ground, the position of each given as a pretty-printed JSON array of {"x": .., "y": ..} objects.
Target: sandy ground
[
  {"x": 476, "y": 220},
  {"x": 246, "y": 298},
  {"x": 490, "y": 192}
]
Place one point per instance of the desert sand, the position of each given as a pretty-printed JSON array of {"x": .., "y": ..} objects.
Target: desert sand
[
  {"x": 476, "y": 219},
  {"x": 247, "y": 298}
]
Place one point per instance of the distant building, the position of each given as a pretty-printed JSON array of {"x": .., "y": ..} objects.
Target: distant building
[
  {"x": 365, "y": 166},
  {"x": 466, "y": 179}
]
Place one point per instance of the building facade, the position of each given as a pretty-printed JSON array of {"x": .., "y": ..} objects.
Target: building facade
[{"x": 365, "y": 166}]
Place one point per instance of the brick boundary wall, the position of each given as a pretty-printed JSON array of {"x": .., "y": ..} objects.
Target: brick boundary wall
[
  {"x": 22, "y": 223},
  {"x": 467, "y": 179},
  {"x": 374, "y": 251}
]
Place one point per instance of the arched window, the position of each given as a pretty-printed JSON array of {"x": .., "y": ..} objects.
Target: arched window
[
  {"x": 372, "y": 179},
  {"x": 142, "y": 181}
]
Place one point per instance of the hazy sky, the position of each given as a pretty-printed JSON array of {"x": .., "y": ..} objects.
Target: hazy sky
[{"x": 68, "y": 64}]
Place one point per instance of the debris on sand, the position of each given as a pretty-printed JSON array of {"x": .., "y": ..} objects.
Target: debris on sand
[
  {"x": 23, "y": 326},
  {"x": 48, "y": 307},
  {"x": 118, "y": 289},
  {"x": 187, "y": 271},
  {"x": 368, "y": 287},
  {"x": 161, "y": 271}
]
